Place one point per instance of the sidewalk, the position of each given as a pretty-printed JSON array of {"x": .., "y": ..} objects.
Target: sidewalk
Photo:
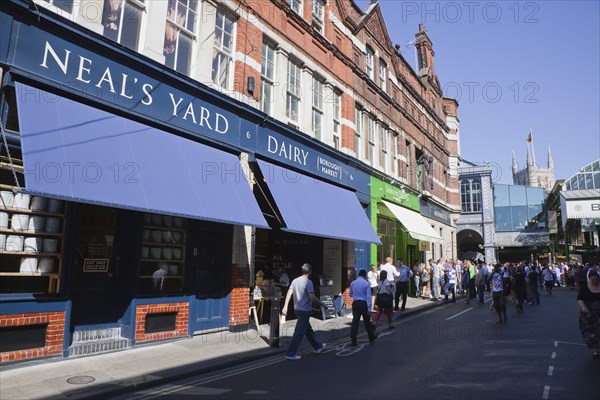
[{"x": 110, "y": 374}]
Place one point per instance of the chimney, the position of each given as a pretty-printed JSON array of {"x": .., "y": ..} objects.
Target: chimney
[{"x": 425, "y": 52}]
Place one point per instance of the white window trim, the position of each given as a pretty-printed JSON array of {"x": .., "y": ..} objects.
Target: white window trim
[{"x": 231, "y": 57}]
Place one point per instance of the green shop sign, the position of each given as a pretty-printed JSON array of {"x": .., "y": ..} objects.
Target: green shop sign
[{"x": 381, "y": 190}]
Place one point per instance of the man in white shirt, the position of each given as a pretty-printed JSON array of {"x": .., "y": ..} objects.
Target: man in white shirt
[{"x": 392, "y": 274}]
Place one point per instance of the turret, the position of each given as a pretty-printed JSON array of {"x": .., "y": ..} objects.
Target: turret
[
  {"x": 550, "y": 160},
  {"x": 515, "y": 164}
]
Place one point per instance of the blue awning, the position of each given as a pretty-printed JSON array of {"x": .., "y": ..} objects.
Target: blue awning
[
  {"x": 313, "y": 207},
  {"x": 76, "y": 152}
]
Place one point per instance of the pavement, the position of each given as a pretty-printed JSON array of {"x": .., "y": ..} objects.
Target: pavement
[{"x": 144, "y": 366}]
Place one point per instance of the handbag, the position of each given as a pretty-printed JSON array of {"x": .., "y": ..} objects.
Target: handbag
[
  {"x": 425, "y": 277},
  {"x": 383, "y": 299}
]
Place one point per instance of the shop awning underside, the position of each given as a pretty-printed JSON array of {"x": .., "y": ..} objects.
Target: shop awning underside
[
  {"x": 577, "y": 204},
  {"x": 414, "y": 223},
  {"x": 313, "y": 207},
  {"x": 76, "y": 152}
]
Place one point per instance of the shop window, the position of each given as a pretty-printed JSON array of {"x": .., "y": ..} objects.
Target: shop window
[
  {"x": 122, "y": 20},
  {"x": 179, "y": 34},
  {"x": 163, "y": 254},
  {"x": 223, "y": 50},
  {"x": 267, "y": 72}
]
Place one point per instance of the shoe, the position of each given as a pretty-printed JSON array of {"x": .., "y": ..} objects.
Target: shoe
[
  {"x": 402, "y": 309},
  {"x": 353, "y": 344},
  {"x": 595, "y": 355},
  {"x": 499, "y": 321},
  {"x": 391, "y": 327},
  {"x": 374, "y": 337},
  {"x": 396, "y": 308},
  {"x": 295, "y": 357},
  {"x": 320, "y": 349}
]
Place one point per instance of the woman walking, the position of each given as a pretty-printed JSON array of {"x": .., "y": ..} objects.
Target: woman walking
[
  {"x": 384, "y": 306},
  {"x": 588, "y": 300}
]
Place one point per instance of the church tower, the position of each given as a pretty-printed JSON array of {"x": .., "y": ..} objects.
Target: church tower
[{"x": 532, "y": 174}]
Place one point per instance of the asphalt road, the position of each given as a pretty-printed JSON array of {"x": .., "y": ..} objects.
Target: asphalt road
[{"x": 456, "y": 351}]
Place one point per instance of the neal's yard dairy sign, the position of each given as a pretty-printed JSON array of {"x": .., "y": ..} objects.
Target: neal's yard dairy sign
[{"x": 86, "y": 73}]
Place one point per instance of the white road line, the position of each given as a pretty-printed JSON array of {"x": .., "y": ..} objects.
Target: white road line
[
  {"x": 553, "y": 356},
  {"x": 550, "y": 370},
  {"x": 456, "y": 315},
  {"x": 546, "y": 392},
  {"x": 576, "y": 344}
]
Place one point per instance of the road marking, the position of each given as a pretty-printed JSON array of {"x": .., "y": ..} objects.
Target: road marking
[
  {"x": 556, "y": 342},
  {"x": 553, "y": 356},
  {"x": 546, "y": 392},
  {"x": 456, "y": 315},
  {"x": 550, "y": 370}
]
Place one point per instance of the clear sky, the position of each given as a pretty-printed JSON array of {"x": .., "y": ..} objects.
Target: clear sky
[{"x": 512, "y": 65}]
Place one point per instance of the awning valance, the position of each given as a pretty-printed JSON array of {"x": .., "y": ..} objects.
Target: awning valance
[{"x": 576, "y": 204}]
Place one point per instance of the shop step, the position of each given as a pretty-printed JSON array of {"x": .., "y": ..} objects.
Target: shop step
[{"x": 87, "y": 342}]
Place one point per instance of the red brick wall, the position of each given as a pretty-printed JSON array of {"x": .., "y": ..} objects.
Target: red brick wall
[
  {"x": 181, "y": 321},
  {"x": 54, "y": 334},
  {"x": 240, "y": 295}
]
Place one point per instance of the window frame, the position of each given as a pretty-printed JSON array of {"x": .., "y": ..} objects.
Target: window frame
[
  {"x": 382, "y": 75},
  {"x": 318, "y": 16},
  {"x": 317, "y": 89},
  {"x": 267, "y": 81},
  {"x": 358, "y": 131},
  {"x": 369, "y": 63},
  {"x": 180, "y": 29},
  {"x": 295, "y": 94},
  {"x": 297, "y": 6},
  {"x": 139, "y": 6},
  {"x": 337, "y": 124},
  {"x": 219, "y": 50}
]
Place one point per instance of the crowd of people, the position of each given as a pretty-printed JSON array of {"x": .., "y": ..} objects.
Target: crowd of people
[{"x": 514, "y": 283}]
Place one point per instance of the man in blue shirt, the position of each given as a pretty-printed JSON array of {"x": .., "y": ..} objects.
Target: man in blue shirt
[
  {"x": 451, "y": 284},
  {"x": 360, "y": 291},
  {"x": 303, "y": 292},
  {"x": 404, "y": 274}
]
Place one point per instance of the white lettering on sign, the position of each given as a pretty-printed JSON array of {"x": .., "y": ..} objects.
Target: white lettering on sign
[
  {"x": 287, "y": 151},
  {"x": 84, "y": 69},
  {"x": 124, "y": 86},
  {"x": 329, "y": 168}
]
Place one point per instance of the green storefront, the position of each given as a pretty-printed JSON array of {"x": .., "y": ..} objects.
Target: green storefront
[
  {"x": 404, "y": 233},
  {"x": 395, "y": 238}
]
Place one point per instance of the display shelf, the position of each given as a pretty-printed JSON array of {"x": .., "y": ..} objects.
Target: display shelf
[
  {"x": 162, "y": 244},
  {"x": 27, "y": 211},
  {"x": 26, "y": 254},
  {"x": 32, "y": 233}
]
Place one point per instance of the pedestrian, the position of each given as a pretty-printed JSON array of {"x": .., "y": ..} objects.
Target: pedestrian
[
  {"x": 391, "y": 272},
  {"x": 451, "y": 281},
  {"x": 548, "y": 276},
  {"x": 303, "y": 293},
  {"x": 498, "y": 294},
  {"x": 588, "y": 300},
  {"x": 480, "y": 279},
  {"x": 384, "y": 287},
  {"x": 417, "y": 278},
  {"x": 360, "y": 291},
  {"x": 532, "y": 278},
  {"x": 425, "y": 281},
  {"x": 520, "y": 288},
  {"x": 435, "y": 280},
  {"x": 372, "y": 278},
  {"x": 402, "y": 284},
  {"x": 471, "y": 282}
]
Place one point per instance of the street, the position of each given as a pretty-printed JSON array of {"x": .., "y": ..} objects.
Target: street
[{"x": 453, "y": 351}]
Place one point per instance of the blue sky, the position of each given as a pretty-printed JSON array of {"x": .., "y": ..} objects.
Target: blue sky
[{"x": 512, "y": 65}]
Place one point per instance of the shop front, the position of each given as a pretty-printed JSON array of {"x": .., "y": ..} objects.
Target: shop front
[
  {"x": 404, "y": 232},
  {"x": 311, "y": 201},
  {"x": 440, "y": 219},
  {"x": 121, "y": 208}
]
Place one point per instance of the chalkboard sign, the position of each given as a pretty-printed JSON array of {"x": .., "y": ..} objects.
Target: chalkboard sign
[
  {"x": 95, "y": 265},
  {"x": 329, "y": 310}
]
